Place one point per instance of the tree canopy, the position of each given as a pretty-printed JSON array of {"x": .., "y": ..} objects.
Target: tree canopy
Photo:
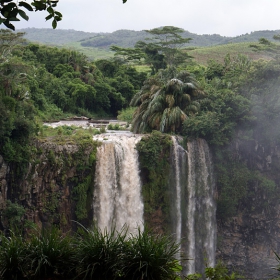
[
  {"x": 165, "y": 101},
  {"x": 162, "y": 50}
]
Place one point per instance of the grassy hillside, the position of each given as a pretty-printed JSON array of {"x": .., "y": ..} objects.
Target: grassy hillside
[
  {"x": 91, "y": 53},
  {"x": 203, "y": 54},
  {"x": 128, "y": 38},
  {"x": 96, "y": 45},
  {"x": 54, "y": 36}
]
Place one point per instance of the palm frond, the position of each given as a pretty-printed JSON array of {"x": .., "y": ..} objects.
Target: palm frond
[{"x": 170, "y": 100}]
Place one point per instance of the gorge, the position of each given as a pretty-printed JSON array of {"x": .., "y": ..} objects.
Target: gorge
[
  {"x": 109, "y": 182},
  {"x": 118, "y": 198}
]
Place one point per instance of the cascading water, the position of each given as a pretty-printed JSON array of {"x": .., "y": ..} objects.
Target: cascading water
[
  {"x": 117, "y": 194},
  {"x": 194, "y": 204},
  {"x": 118, "y": 200},
  {"x": 177, "y": 156}
]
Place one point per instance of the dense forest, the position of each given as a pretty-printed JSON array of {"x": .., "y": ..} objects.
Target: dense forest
[
  {"x": 215, "y": 102},
  {"x": 154, "y": 85}
]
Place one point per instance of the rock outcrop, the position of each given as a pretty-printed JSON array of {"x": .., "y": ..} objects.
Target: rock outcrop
[
  {"x": 49, "y": 189},
  {"x": 246, "y": 242}
]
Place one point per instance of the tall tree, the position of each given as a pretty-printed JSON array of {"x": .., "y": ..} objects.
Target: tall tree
[
  {"x": 128, "y": 54},
  {"x": 164, "y": 46}
]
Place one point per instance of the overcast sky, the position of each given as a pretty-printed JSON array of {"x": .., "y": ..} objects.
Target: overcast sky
[{"x": 224, "y": 17}]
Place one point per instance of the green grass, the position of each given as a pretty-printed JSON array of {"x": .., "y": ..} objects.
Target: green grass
[
  {"x": 143, "y": 68},
  {"x": 203, "y": 54},
  {"x": 91, "y": 53},
  {"x": 66, "y": 134}
]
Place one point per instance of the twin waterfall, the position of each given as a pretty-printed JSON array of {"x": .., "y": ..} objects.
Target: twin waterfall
[{"x": 118, "y": 200}]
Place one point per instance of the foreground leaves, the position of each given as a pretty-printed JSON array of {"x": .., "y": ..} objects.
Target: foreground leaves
[{"x": 92, "y": 254}]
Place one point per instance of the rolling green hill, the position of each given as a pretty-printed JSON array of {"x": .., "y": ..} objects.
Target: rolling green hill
[
  {"x": 218, "y": 52},
  {"x": 97, "y": 45},
  {"x": 128, "y": 38}
]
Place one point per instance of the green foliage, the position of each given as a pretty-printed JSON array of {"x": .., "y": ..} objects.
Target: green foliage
[
  {"x": 219, "y": 272},
  {"x": 154, "y": 153},
  {"x": 221, "y": 113},
  {"x": 151, "y": 257},
  {"x": 80, "y": 193},
  {"x": 49, "y": 254},
  {"x": 91, "y": 254},
  {"x": 12, "y": 257},
  {"x": 83, "y": 189},
  {"x": 126, "y": 114},
  {"x": 162, "y": 51},
  {"x": 11, "y": 10},
  {"x": 117, "y": 255},
  {"x": 100, "y": 254},
  {"x": 165, "y": 101},
  {"x": 13, "y": 213},
  {"x": 114, "y": 127}
]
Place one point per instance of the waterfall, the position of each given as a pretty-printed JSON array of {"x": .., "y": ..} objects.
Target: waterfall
[
  {"x": 118, "y": 201},
  {"x": 201, "y": 209},
  {"x": 117, "y": 191},
  {"x": 176, "y": 180},
  {"x": 193, "y": 185}
]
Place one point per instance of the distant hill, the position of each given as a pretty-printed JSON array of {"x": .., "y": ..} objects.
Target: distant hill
[
  {"x": 58, "y": 37},
  {"x": 128, "y": 38}
]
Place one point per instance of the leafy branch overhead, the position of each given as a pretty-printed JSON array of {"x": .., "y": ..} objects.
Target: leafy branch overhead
[{"x": 16, "y": 10}]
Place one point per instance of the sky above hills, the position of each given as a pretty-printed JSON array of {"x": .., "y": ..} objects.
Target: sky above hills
[{"x": 224, "y": 17}]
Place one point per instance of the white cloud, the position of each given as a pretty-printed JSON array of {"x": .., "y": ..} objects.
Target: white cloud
[{"x": 225, "y": 17}]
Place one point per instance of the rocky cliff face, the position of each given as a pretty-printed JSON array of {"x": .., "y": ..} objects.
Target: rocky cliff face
[
  {"x": 53, "y": 187},
  {"x": 4, "y": 170},
  {"x": 247, "y": 241},
  {"x": 57, "y": 189}
]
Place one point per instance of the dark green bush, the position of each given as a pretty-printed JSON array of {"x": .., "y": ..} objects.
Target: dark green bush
[{"x": 49, "y": 254}]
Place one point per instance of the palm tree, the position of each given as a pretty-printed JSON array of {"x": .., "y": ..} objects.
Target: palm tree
[{"x": 165, "y": 103}]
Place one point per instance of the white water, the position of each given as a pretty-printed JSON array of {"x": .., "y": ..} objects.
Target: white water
[
  {"x": 201, "y": 210},
  {"x": 193, "y": 186},
  {"x": 191, "y": 209},
  {"x": 175, "y": 155},
  {"x": 117, "y": 192},
  {"x": 118, "y": 202}
]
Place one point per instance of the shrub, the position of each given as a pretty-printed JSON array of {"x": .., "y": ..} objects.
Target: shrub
[
  {"x": 149, "y": 256},
  {"x": 12, "y": 257},
  {"x": 49, "y": 254},
  {"x": 99, "y": 254}
]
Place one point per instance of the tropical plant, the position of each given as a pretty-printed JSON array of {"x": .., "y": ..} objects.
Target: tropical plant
[
  {"x": 99, "y": 253},
  {"x": 151, "y": 257},
  {"x": 165, "y": 102},
  {"x": 49, "y": 254},
  {"x": 218, "y": 272},
  {"x": 12, "y": 257}
]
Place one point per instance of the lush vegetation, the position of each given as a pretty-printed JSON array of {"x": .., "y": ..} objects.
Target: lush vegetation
[
  {"x": 154, "y": 156},
  {"x": 128, "y": 38},
  {"x": 40, "y": 83},
  {"x": 91, "y": 254},
  {"x": 232, "y": 102},
  {"x": 213, "y": 101}
]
